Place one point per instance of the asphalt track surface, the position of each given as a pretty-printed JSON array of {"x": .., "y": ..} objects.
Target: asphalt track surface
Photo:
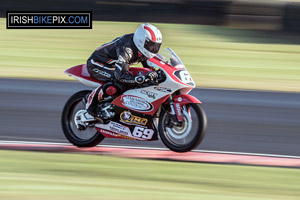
[{"x": 238, "y": 121}]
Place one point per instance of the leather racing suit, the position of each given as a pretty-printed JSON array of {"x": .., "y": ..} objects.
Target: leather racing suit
[{"x": 110, "y": 63}]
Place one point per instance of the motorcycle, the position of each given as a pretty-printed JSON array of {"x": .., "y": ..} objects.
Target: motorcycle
[{"x": 152, "y": 110}]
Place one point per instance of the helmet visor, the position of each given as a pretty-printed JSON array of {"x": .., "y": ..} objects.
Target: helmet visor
[{"x": 151, "y": 46}]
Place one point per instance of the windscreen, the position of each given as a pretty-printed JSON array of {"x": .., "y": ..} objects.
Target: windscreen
[{"x": 169, "y": 56}]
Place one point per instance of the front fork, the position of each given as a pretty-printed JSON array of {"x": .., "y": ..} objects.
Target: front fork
[
  {"x": 180, "y": 101},
  {"x": 176, "y": 113}
]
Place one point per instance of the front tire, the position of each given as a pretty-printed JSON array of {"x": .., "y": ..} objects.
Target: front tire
[
  {"x": 187, "y": 136},
  {"x": 85, "y": 138}
]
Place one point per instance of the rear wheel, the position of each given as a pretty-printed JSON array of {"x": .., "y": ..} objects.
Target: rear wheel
[
  {"x": 85, "y": 137},
  {"x": 187, "y": 135}
]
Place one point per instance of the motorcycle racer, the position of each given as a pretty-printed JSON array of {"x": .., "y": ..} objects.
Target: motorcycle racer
[{"x": 110, "y": 63}]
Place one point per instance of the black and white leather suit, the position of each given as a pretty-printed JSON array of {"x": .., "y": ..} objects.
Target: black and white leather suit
[
  {"x": 110, "y": 63},
  {"x": 112, "y": 60}
]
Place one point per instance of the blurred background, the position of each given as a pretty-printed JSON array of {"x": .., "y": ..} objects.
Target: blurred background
[
  {"x": 280, "y": 15},
  {"x": 231, "y": 44},
  {"x": 244, "y": 56}
]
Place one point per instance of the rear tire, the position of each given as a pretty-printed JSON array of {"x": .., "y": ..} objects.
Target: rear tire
[
  {"x": 67, "y": 123},
  {"x": 175, "y": 138}
]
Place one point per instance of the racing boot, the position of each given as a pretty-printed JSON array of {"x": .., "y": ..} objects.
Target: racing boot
[
  {"x": 103, "y": 94},
  {"x": 93, "y": 99}
]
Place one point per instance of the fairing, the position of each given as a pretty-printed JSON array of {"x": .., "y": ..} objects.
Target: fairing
[
  {"x": 135, "y": 108},
  {"x": 81, "y": 73},
  {"x": 128, "y": 124}
]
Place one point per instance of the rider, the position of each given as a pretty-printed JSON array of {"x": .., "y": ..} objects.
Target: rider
[{"x": 110, "y": 63}]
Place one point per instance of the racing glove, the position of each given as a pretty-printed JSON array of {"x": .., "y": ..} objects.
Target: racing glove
[{"x": 152, "y": 76}]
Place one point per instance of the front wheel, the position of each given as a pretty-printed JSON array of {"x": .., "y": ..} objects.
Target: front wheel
[
  {"x": 88, "y": 137},
  {"x": 188, "y": 134}
]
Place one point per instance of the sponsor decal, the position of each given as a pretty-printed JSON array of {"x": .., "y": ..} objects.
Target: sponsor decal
[
  {"x": 136, "y": 103},
  {"x": 108, "y": 133},
  {"x": 127, "y": 117},
  {"x": 178, "y": 111},
  {"x": 118, "y": 130},
  {"x": 115, "y": 135},
  {"x": 149, "y": 94},
  {"x": 126, "y": 137},
  {"x": 163, "y": 89},
  {"x": 115, "y": 127}
]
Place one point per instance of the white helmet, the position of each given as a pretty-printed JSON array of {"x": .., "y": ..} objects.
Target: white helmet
[{"x": 147, "y": 38}]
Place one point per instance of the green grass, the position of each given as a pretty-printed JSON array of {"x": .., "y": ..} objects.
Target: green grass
[
  {"x": 215, "y": 56},
  {"x": 35, "y": 176}
]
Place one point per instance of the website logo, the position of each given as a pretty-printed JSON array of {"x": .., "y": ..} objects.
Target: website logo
[{"x": 48, "y": 20}]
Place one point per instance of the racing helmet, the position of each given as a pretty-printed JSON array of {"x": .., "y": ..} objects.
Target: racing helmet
[{"x": 147, "y": 38}]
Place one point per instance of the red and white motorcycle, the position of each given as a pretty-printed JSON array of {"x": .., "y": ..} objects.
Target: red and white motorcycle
[{"x": 147, "y": 112}]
